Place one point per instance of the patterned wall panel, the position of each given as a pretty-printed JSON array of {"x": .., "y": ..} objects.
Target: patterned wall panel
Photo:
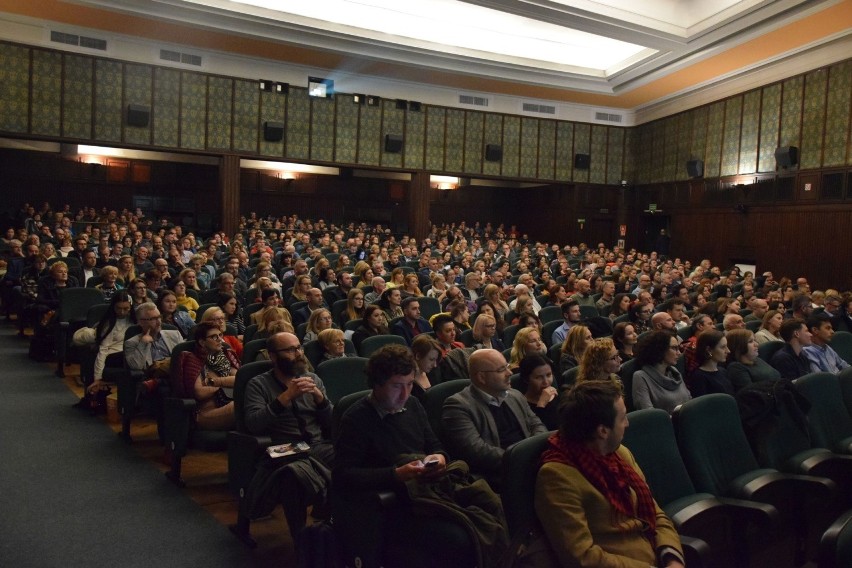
[
  {"x": 166, "y": 108},
  {"x": 193, "y": 110},
  {"x": 273, "y": 108},
  {"x": 547, "y": 149},
  {"x": 298, "y": 124},
  {"x": 615, "y": 156},
  {"x": 810, "y": 154},
  {"x": 393, "y": 122},
  {"x": 582, "y": 145},
  {"x": 493, "y": 135},
  {"x": 455, "y": 140},
  {"x": 436, "y": 119},
  {"x": 698, "y": 144},
  {"x": 370, "y": 137},
  {"x": 715, "y": 126},
  {"x": 415, "y": 138},
  {"x": 658, "y": 150},
  {"x": 837, "y": 118},
  {"x": 642, "y": 154},
  {"x": 108, "y": 108},
  {"x": 14, "y": 88},
  {"x": 748, "y": 136},
  {"x": 628, "y": 171},
  {"x": 731, "y": 137},
  {"x": 511, "y": 145},
  {"x": 770, "y": 116},
  {"x": 322, "y": 129},
  {"x": 346, "y": 133},
  {"x": 684, "y": 144},
  {"x": 77, "y": 97},
  {"x": 564, "y": 151},
  {"x": 670, "y": 168},
  {"x": 47, "y": 92},
  {"x": 597, "y": 150},
  {"x": 246, "y": 109},
  {"x": 791, "y": 111},
  {"x": 137, "y": 91},
  {"x": 473, "y": 149},
  {"x": 529, "y": 147},
  {"x": 220, "y": 95}
]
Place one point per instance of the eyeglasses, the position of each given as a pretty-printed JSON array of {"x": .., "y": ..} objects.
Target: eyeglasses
[
  {"x": 152, "y": 318},
  {"x": 502, "y": 369},
  {"x": 214, "y": 336},
  {"x": 289, "y": 350}
]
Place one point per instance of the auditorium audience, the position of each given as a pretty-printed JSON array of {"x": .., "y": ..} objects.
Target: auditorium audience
[
  {"x": 658, "y": 383},
  {"x": 745, "y": 367}
]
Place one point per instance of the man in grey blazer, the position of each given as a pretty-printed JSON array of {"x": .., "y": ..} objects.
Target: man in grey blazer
[
  {"x": 153, "y": 344},
  {"x": 488, "y": 416}
]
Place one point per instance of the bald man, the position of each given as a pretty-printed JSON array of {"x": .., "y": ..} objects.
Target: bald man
[
  {"x": 488, "y": 416},
  {"x": 663, "y": 321}
]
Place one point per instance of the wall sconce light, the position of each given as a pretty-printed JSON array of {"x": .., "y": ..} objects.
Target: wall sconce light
[
  {"x": 373, "y": 100},
  {"x": 288, "y": 176},
  {"x": 282, "y": 88},
  {"x": 359, "y": 99},
  {"x": 266, "y": 85}
]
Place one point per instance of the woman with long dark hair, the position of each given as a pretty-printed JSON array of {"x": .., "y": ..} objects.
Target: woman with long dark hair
[{"x": 109, "y": 338}]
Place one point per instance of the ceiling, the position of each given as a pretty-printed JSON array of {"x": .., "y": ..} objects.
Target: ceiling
[{"x": 618, "y": 53}]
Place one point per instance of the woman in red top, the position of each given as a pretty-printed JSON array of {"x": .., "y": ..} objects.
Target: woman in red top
[{"x": 209, "y": 368}]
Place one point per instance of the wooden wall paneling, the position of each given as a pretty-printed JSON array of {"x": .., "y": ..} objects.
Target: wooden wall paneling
[
  {"x": 454, "y": 142},
  {"x": 813, "y": 119},
  {"x": 46, "y": 105},
  {"x": 582, "y": 145},
  {"x": 436, "y": 122},
  {"x": 683, "y": 145},
  {"x": 658, "y": 151},
  {"x": 415, "y": 138},
  {"x": 749, "y": 133},
  {"x": 838, "y": 114},
  {"x": 274, "y": 107},
  {"x": 698, "y": 143},
  {"x": 298, "y": 125},
  {"x": 220, "y": 97},
  {"x": 512, "y": 146},
  {"x": 193, "y": 110},
  {"x": 322, "y": 129},
  {"x": 564, "y": 151},
  {"x": 547, "y": 150},
  {"x": 138, "y": 84},
  {"x": 671, "y": 142},
  {"x": 715, "y": 131},
  {"x": 165, "y": 111},
  {"x": 643, "y": 154},
  {"x": 597, "y": 151},
  {"x": 770, "y": 127},
  {"x": 474, "y": 152}
]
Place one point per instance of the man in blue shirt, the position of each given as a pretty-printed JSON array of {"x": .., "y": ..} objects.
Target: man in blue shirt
[{"x": 822, "y": 357}]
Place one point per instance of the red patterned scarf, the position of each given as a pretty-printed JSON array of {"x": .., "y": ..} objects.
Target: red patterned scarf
[{"x": 611, "y": 476}]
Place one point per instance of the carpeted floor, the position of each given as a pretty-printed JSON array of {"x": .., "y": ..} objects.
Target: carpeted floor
[{"x": 72, "y": 494}]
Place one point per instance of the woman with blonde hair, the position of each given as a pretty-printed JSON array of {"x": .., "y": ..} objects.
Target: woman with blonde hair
[
  {"x": 492, "y": 295},
  {"x": 318, "y": 321},
  {"x": 485, "y": 333},
  {"x": 600, "y": 361},
  {"x": 439, "y": 286},
  {"x": 397, "y": 278},
  {"x": 578, "y": 339},
  {"x": 360, "y": 271},
  {"x": 272, "y": 315},
  {"x": 411, "y": 286},
  {"x": 333, "y": 344},
  {"x": 527, "y": 342},
  {"x": 354, "y": 306},
  {"x": 126, "y": 270},
  {"x": 109, "y": 284}
]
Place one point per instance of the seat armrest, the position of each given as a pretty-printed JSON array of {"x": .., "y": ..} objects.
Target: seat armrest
[
  {"x": 696, "y": 552},
  {"x": 244, "y": 451},
  {"x": 789, "y": 485},
  {"x": 752, "y": 512},
  {"x": 179, "y": 415}
]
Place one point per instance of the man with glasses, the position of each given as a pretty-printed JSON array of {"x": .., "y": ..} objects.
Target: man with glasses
[
  {"x": 289, "y": 404},
  {"x": 151, "y": 350},
  {"x": 488, "y": 416}
]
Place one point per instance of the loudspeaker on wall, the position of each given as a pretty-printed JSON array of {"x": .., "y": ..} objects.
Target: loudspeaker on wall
[
  {"x": 273, "y": 131},
  {"x": 582, "y": 161},
  {"x": 695, "y": 168},
  {"x": 138, "y": 115},
  {"x": 393, "y": 143},
  {"x": 786, "y": 156},
  {"x": 493, "y": 152}
]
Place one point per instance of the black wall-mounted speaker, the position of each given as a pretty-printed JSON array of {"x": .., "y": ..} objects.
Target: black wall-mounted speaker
[
  {"x": 273, "y": 131},
  {"x": 493, "y": 152},
  {"x": 138, "y": 115},
  {"x": 582, "y": 161},
  {"x": 393, "y": 143},
  {"x": 695, "y": 168},
  {"x": 786, "y": 156}
]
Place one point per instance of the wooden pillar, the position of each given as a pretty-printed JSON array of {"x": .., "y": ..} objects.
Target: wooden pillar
[
  {"x": 418, "y": 205},
  {"x": 229, "y": 189}
]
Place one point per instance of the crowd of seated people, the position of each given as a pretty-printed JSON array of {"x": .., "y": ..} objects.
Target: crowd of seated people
[{"x": 683, "y": 324}]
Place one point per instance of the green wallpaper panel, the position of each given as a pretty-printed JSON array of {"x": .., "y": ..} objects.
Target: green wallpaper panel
[
  {"x": 547, "y": 149},
  {"x": 298, "y": 124},
  {"x": 748, "y": 138},
  {"x": 837, "y": 119},
  {"x": 529, "y": 147},
  {"x": 166, "y": 110},
  {"x": 493, "y": 135},
  {"x": 628, "y": 172},
  {"x": 393, "y": 121},
  {"x": 322, "y": 129},
  {"x": 816, "y": 84},
  {"x": 108, "y": 107},
  {"x": 582, "y": 145},
  {"x": 455, "y": 140},
  {"x": 731, "y": 136},
  {"x": 473, "y": 149},
  {"x": 684, "y": 141},
  {"x": 77, "y": 97},
  {"x": 564, "y": 151},
  {"x": 791, "y": 112},
  {"x": 273, "y": 108},
  {"x": 246, "y": 109},
  {"x": 220, "y": 94},
  {"x": 597, "y": 169},
  {"x": 715, "y": 125},
  {"x": 193, "y": 110},
  {"x": 770, "y": 116},
  {"x": 615, "y": 156},
  {"x": 435, "y": 129},
  {"x": 346, "y": 135},
  {"x": 671, "y": 145},
  {"x": 47, "y": 92},
  {"x": 642, "y": 154},
  {"x": 511, "y": 145},
  {"x": 14, "y": 88},
  {"x": 698, "y": 144},
  {"x": 370, "y": 138},
  {"x": 415, "y": 140},
  {"x": 137, "y": 91},
  {"x": 658, "y": 150}
]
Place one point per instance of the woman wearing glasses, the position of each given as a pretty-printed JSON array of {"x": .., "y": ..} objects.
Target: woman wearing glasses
[
  {"x": 658, "y": 384},
  {"x": 217, "y": 316},
  {"x": 206, "y": 371},
  {"x": 601, "y": 361}
]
